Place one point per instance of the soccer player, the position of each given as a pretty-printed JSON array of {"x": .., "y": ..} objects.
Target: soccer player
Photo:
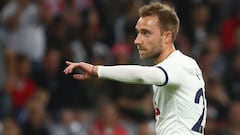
[{"x": 178, "y": 85}]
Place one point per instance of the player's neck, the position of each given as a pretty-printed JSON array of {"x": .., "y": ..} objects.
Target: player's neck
[{"x": 165, "y": 54}]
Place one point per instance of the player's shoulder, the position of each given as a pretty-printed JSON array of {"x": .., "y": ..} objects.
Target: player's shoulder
[
  {"x": 178, "y": 60},
  {"x": 178, "y": 57}
]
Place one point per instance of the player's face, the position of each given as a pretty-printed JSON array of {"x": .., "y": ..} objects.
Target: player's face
[{"x": 149, "y": 37}]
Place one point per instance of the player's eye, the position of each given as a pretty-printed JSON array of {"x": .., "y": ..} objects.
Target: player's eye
[{"x": 145, "y": 32}]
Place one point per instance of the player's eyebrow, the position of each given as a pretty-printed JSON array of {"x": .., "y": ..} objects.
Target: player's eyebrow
[{"x": 144, "y": 30}]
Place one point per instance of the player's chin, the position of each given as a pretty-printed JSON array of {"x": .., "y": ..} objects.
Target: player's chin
[{"x": 143, "y": 56}]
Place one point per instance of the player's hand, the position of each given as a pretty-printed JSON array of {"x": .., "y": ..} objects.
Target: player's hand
[{"x": 90, "y": 71}]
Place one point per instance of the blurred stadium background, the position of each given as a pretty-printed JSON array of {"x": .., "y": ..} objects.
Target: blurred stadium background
[{"x": 37, "y": 36}]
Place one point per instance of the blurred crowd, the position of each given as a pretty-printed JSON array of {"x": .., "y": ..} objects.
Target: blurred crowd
[{"x": 38, "y": 36}]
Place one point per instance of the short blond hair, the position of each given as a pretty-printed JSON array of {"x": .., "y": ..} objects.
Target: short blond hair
[{"x": 168, "y": 19}]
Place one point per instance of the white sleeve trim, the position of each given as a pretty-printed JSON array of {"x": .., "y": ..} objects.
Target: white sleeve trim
[{"x": 134, "y": 74}]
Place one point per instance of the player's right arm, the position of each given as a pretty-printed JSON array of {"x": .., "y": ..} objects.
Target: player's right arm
[
  {"x": 134, "y": 74},
  {"x": 124, "y": 73}
]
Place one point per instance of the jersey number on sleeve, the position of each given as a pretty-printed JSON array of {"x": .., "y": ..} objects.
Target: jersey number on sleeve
[{"x": 197, "y": 126}]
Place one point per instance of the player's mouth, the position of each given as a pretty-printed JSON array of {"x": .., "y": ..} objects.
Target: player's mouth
[{"x": 139, "y": 48}]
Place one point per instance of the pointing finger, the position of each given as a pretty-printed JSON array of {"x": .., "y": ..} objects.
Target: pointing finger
[{"x": 68, "y": 62}]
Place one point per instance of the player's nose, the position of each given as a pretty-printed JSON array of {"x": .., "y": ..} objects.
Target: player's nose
[{"x": 137, "y": 40}]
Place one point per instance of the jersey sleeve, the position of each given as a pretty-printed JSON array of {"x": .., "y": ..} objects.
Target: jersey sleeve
[
  {"x": 173, "y": 71},
  {"x": 134, "y": 74}
]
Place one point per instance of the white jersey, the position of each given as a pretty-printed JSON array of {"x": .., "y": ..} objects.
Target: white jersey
[
  {"x": 179, "y": 93},
  {"x": 180, "y": 104}
]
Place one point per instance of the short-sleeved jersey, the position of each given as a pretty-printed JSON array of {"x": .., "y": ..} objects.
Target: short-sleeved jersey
[{"x": 180, "y": 104}]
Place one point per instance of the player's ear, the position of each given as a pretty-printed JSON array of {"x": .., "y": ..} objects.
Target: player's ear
[{"x": 167, "y": 36}]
